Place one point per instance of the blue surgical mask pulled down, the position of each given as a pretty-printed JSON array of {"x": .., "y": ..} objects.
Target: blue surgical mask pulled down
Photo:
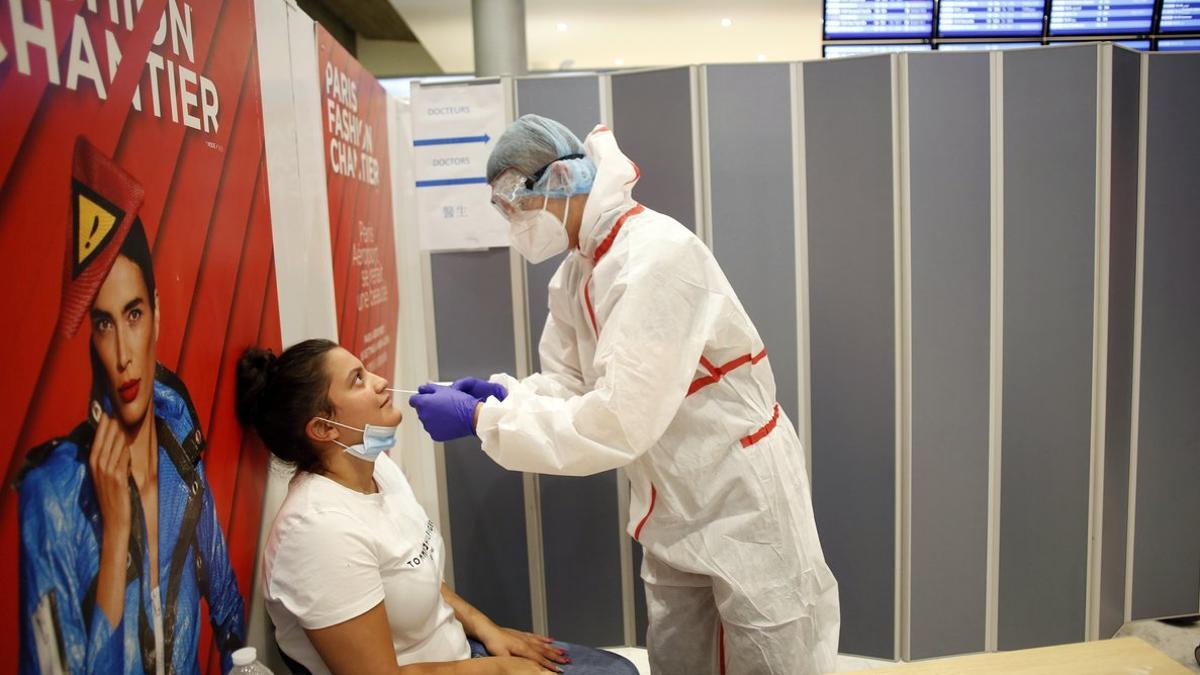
[{"x": 376, "y": 440}]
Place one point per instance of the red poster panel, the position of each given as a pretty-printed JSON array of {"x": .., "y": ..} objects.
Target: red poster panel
[
  {"x": 361, "y": 229},
  {"x": 136, "y": 264}
]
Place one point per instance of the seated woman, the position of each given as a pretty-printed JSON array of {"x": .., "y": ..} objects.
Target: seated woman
[{"x": 352, "y": 568}]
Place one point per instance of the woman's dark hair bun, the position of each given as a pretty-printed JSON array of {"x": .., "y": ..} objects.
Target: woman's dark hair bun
[
  {"x": 278, "y": 395},
  {"x": 254, "y": 372}
]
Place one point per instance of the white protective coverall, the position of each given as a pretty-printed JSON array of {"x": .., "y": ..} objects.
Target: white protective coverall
[{"x": 651, "y": 363}]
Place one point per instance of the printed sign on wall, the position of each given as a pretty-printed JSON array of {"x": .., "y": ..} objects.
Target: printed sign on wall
[{"x": 455, "y": 128}]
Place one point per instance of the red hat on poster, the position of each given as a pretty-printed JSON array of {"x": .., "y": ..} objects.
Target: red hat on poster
[{"x": 104, "y": 205}]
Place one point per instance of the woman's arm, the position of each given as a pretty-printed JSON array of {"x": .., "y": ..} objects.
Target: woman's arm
[
  {"x": 504, "y": 641},
  {"x": 108, "y": 465},
  {"x": 474, "y": 622},
  {"x": 63, "y": 631},
  {"x": 364, "y": 645}
]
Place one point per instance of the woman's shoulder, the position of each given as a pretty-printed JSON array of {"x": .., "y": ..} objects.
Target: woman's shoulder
[
  {"x": 388, "y": 469},
  {"x": 55, "y": 470},
  {"x": 314, "y": 508},
  {"x": 312, "y": 529},
  {"x": 393, "y": 481}
]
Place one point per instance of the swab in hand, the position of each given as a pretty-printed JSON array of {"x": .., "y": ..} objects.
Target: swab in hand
[{"x": 414, "y": 391}]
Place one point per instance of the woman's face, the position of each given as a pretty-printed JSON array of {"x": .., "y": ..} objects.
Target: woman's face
[
  {"x": 124, "y": 333},
  {"x": 358, "y": 395}
]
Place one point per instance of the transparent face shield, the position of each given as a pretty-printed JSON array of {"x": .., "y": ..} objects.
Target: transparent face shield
[
  {"x": 510, "y": 196},
  {"x": 513, "y": 194}
]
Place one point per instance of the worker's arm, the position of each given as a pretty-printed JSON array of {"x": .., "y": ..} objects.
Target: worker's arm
[{"x": 652, "y": 327}]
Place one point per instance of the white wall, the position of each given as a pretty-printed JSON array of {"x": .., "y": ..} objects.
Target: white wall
[{"x": 287, "y": 61}]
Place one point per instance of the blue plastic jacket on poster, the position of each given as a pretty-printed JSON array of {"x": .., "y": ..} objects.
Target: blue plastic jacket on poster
[{"x": 61, "y": 533}]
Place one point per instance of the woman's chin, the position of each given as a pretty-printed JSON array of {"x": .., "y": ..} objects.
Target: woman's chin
[
  {"x": 131, "y": 414},
  {"x": 391, "y": 418}
]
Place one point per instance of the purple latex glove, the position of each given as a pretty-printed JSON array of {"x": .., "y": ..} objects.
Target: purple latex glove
[
  {"x": 445, "y": 412},
  {"x": 480, "y": 389}
]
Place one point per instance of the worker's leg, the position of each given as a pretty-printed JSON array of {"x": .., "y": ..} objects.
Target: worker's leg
[{"x": 683, "y": 636}]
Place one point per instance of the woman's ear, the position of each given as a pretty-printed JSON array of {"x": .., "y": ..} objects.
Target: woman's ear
[{"x": 320, "y": 431}]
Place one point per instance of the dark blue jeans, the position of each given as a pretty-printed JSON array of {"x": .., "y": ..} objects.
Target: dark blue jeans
[{"x": 584, "y": 660}]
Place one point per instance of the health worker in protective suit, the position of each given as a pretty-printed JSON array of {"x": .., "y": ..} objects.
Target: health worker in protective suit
[{"x": 651, "y": 363}]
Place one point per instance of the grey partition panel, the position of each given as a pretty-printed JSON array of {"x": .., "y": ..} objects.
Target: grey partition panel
[
  {"x": 652, "y": 121},
  {"x": 1166, "y": 545},
  {"x": 753, "y": 217},
  {"x": 580, "y": 532},
  {"x": 848, "y": 138},
  {"x": 1122, "y": 264},
  {"x": 950, "y": 197},
  {"x": 641, "y": 617},
  {"x": 486, "y": 503},
  {"x": 582, "y": 557},
  {"x": 1049, "y": 112}
]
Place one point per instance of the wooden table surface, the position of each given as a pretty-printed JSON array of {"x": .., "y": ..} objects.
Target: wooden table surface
[{"x": 1123, "y": 656}]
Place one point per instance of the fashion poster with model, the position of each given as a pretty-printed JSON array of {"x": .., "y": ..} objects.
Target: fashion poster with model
[{"x": 135, "y": 266}]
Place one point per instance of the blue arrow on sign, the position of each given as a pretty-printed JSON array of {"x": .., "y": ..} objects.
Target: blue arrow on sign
[
  {"x": 442, "y": 182},
  {"x": 454, "y": 140}
]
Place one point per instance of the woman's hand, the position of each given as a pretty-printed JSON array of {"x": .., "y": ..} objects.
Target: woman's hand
[
  {"x": 536, "y": 648},
  {"x": 108, "y": 463}
]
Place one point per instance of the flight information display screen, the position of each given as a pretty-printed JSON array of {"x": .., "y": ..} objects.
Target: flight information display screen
[
  {"x": 1180, "y": 16},
  {"x": 857, "y": 19},
  {"x": 1140, "y": 45},
  {"x": 836, "y": 51},
  {"x": 983, "y": 46},
  {"x": 1179, "y": 45},
  {"x": 1100, "y": 17},
  {"x": 991, "y": 18}
]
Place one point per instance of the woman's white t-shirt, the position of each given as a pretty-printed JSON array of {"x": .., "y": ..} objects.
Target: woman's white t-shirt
[{"x": 334, "y": 553}]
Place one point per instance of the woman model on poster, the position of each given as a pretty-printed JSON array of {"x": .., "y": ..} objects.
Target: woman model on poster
[{"x": 119, "y": 536}]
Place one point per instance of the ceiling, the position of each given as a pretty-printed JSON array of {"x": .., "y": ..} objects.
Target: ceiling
[
  {"x": 571, "y": 34},
  {"x": 375, "y": 19}
]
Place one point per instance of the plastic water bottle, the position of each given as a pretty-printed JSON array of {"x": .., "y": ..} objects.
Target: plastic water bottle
[{"x": 245, "y": 662}]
